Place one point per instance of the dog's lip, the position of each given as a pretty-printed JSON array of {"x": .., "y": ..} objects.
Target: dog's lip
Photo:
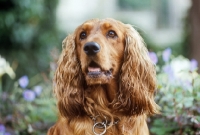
[{"x": 95, "y": 70}]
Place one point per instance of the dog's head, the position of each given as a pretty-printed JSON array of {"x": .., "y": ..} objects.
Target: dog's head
[{"x": 98, "y": 52}]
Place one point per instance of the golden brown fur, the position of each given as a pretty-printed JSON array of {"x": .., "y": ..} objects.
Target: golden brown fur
[{"x": 122, "y": 91}]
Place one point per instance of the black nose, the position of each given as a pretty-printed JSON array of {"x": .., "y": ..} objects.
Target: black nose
[{"x": 91, "y": 48}]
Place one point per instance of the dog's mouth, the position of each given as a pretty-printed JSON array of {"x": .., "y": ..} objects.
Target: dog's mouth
[{"x": 95, "y": 71}]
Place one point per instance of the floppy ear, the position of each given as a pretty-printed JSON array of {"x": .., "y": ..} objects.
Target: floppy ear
[
  {"x": 137, "y": 77},
  {"x": 68, "y": 81}
]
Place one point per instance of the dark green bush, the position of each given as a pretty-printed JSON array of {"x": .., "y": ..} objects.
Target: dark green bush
[{"x": 28, "y": 34}]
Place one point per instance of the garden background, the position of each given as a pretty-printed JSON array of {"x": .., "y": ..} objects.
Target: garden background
[{"x": 31, "y": 33}]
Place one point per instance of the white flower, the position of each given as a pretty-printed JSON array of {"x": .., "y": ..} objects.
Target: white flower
[
  {"x": 5, "y": 68},
  {"x": 180, "y": 66}
]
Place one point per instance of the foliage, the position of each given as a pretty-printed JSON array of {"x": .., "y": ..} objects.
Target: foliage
[
  {"x": 28, "y": 34},
  {"x": 178, "y": 95},
  {"x": 29, "y": 108}
]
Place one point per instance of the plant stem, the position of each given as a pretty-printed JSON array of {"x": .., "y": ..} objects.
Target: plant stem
[{"x": 1, "y": 87}]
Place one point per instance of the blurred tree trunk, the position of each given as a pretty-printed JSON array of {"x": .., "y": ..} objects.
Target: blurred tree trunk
[{"x": 194, "y": 18}]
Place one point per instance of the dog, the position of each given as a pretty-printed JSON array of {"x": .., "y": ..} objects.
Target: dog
[{"x": 105, "y": 81}]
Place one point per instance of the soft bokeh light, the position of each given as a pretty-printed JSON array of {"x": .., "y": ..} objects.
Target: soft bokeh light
[{"x": 37, "y": 90}]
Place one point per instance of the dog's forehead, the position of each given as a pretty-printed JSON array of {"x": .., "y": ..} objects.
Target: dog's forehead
[
  {"x": 87, "y": 25},
  {"x": 107, "y": 24},
  {"x": 96, "y": 24}
]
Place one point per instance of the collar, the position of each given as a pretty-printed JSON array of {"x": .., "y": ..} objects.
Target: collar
[{"x": 102, "y": 124}]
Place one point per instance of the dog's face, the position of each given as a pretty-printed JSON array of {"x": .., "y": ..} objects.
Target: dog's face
[{"x": 100, "y": 48}]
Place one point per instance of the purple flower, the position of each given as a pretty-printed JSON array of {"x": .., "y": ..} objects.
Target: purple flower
[
  {"x": 37, "y": 90},
  {"x": 7, "y": 133},
  {"x": 166, "y": 54},
  {"x": 2, "y": 128},
  {"x": 23, "y": 81},
  {"x": 198, "y": 109},
  {"x": 153, "y": 57},
  {"x": 169, "y": 71},
  {"x": 187, "y": 85},
  {"x": 193, "y": 65},
  {"x": 29, "y": 95}
]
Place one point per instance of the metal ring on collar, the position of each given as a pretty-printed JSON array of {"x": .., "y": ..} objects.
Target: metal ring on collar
[{"x": 96, "y": 126}]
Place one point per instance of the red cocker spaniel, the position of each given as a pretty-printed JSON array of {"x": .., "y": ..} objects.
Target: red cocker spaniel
[{"x": 105, "y": 81}]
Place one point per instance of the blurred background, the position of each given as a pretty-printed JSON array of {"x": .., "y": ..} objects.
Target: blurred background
[{"x": 31, "y": 33}]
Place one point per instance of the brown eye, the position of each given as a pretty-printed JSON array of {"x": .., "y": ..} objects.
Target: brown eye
[
  {"x": 111, "y": 34},
  {"x": 83, "y": 35}
]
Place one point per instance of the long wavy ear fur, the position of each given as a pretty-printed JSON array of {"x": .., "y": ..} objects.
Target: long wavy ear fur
[
  {"x": 68, "y": 81},
  {"x": 137, "y": 78}
]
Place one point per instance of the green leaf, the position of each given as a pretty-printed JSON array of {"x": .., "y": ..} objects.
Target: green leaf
[{"x": 163, "y": 127}]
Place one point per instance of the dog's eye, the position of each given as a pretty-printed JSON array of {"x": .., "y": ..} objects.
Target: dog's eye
[
  {"x": 111, "y": 34},
  {"x": 83, "y": 35}
]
